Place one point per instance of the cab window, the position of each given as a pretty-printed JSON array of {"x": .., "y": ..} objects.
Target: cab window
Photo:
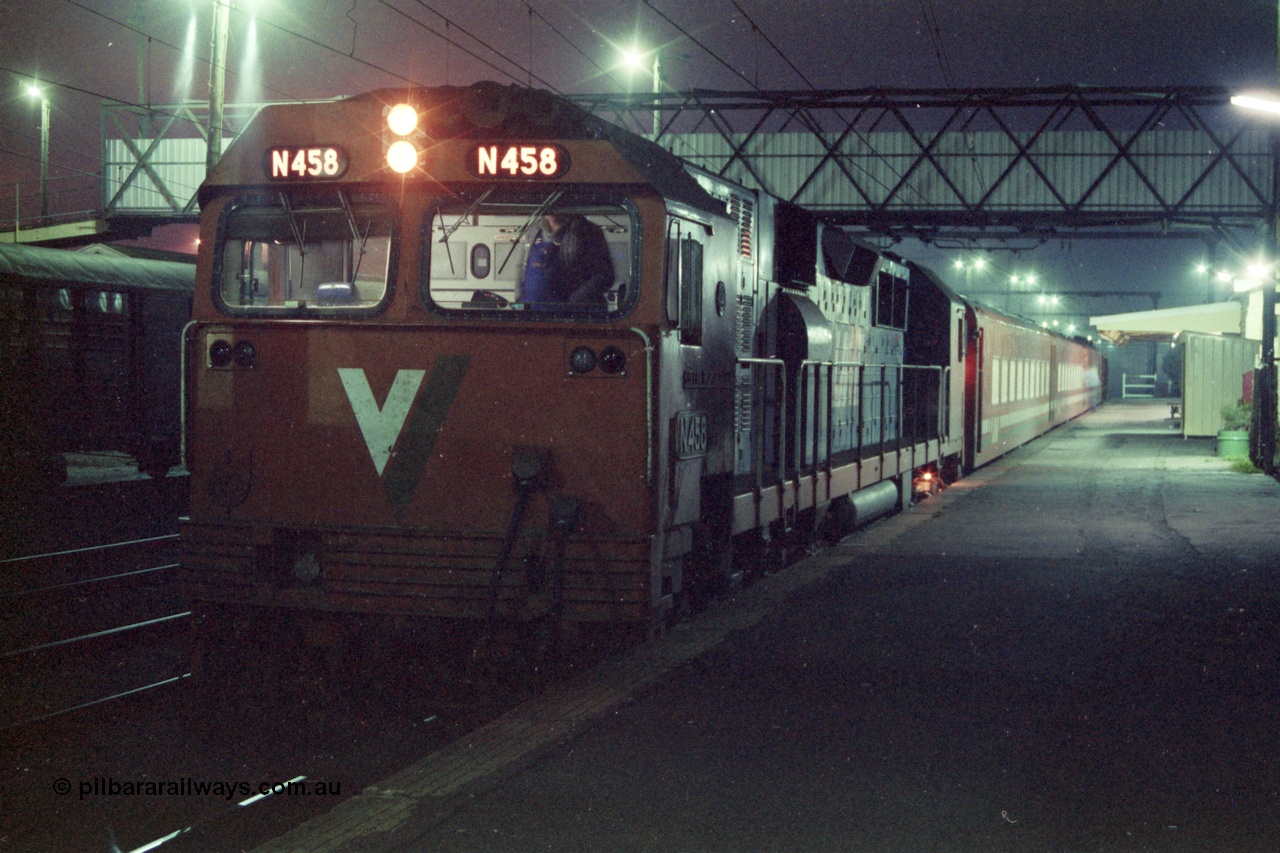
[
  {"x": 323, "y": 254},
  {"x": 531, "y": 255}
]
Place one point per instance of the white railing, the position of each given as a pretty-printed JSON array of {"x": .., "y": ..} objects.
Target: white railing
[{"x": 1137, "y": 385}]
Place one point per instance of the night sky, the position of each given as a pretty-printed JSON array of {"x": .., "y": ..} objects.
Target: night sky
[{"x": 90, "y": 49}]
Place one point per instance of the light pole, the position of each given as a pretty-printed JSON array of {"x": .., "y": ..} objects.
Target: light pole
[
  {"x": 1264, "y": 391},
  {"x": 635, "y": 59},
  {"x": 217, "y": 79},
  {"x": 35, "y": 91}
]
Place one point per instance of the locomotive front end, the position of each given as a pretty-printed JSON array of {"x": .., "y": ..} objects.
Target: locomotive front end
[{"x": 402, "y": 408}]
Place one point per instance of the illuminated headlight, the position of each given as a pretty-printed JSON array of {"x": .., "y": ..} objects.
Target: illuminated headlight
[
  {"x": 402, "y": 157},
  {"x": 582, "y": 360},
  {"x": 402, "y": 119}
]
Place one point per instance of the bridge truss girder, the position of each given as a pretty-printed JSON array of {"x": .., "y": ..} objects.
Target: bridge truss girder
[{"x": 980, "y": 164}]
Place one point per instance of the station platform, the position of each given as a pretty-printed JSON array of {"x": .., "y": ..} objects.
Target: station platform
[{"x": 1075, "y": 648}]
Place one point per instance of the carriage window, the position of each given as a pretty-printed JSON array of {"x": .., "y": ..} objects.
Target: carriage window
[
  {"x": 329, "y": 253},
  {"x": 547, "y": 254}
]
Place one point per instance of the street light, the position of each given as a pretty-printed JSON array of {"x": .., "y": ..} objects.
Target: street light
[
  {"x": 1265, "y": 103},
  {"x": 35, "y": 91},
  {"x": 1264, "y": 391},
  {"x": 634, "y": 58},
  {"x": 217, "y": 80}
]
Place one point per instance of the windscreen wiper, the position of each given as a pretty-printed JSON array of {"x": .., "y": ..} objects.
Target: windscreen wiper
[
  {"x": 537, "y": 214},
  {"x": 359, "y": 239},
  {"x": 447, "y": 231}
]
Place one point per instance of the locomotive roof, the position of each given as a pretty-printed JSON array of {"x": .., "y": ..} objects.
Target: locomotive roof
[
  {"x": 481, "y": 111},
  {"x": 64, "y": 267}
]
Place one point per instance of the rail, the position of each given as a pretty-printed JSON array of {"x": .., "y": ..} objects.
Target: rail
[{"x": 62, "y": 580}]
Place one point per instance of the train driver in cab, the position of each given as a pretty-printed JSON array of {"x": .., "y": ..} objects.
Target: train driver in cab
[{"x": 568, "y": 262}]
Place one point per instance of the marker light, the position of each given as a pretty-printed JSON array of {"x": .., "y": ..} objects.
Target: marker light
[
  {"x": 402, "y": 156},
  {"x": 582, "y": 360},
  {"x": 402, "y": 119},
  {"x": 246, "y": 354},
  {"x": 613, "y": 361},
  {"x": 220, "y": 353}
]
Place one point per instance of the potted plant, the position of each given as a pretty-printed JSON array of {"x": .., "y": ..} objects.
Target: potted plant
[{"x": 1233, "y": 438}]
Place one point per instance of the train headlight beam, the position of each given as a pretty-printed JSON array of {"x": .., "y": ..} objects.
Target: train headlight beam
[{"x": 402, "y": 156}]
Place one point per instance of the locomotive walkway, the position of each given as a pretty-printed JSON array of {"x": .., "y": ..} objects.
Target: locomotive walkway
[{"x": 1073, "y": 649}]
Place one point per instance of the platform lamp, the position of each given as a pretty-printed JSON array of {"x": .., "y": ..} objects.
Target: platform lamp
[
  {"x": 1264, "y": 392},
  {"x": 634, "y": 58},
  {"x": 35, "y": 91},
  {"x": 217, "y": 80}
]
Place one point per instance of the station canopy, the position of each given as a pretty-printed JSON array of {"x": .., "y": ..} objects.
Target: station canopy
[{"x": 1219, "y": 318}]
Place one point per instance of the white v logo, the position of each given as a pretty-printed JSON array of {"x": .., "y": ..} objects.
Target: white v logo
[{"x": 381, "y": 426}]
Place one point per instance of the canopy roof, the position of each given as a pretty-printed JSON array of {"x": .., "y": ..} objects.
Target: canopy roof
[
  {"x": 60, "y": 267},
  {"x": 1222, "y": 318}
]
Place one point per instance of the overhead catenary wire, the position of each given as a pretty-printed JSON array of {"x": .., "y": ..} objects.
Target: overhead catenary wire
[
  {"x": 171, "y": 46},
  {"x": 454, "y": 25},
  {"x": 756, "y": 28},
  {"x": 551, "y": 26},
  {"x": 930, "y": 15},
  {"x": 705, "y": 49}
]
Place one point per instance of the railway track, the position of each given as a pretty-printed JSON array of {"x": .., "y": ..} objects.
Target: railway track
[
  {"x": 89, "y": 625},
  {"x": 94, "y": 665}
]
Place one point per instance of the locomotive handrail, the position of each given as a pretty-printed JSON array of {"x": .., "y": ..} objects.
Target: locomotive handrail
[
  {"x": 822, "y": 454},
  {"x": 182, "y": 392},
  {"x": 757, "y": 452},
  {"x": 648, "y": 408}
]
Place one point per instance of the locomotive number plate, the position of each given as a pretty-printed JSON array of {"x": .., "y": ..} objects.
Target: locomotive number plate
[
  {"x": 531, "y": 162},
  {"x": 690, "y": 439},
  {"x": 318, "y": 163}
]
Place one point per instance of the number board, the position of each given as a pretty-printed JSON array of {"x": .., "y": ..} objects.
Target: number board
[
  {"x": 518, "y": 161},
  {"x": 316, "y": 163}
]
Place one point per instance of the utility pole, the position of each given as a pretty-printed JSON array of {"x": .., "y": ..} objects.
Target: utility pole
[
  {"x": 35, "y": 90},
  {"x": 657, "y": 90},
  {"x": 1265, "y": 404},
  {"x": 44, "y": 156},
  {"x": 217, "y": 79}
]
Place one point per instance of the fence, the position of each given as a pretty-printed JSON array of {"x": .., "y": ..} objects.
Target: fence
[{"x": 1140, "y": 385}]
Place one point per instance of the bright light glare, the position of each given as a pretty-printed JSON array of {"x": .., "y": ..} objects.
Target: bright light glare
[
  {"x": 959, "y": 264},
  {"x": 1257, "y": 102},
  {"x": 1224, "y": 276},
  {"x": 1259, "y": 270},
  {"x": 402, "y": 157},
  {"x": 402, "y": 119},
  {"x": 980, "y": 263},
  {"x": 35, "y": 91},
  {"x": 634, "y": 58}
]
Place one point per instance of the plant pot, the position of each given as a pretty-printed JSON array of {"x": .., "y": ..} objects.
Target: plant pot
[{"x": 1233, "y": 442}]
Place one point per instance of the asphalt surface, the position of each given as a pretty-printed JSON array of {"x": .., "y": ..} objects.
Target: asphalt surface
[{"x": 1075, "y": 649}]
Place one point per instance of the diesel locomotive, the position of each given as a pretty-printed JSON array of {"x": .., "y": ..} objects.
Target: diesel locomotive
[{"x": 468, "y": 361}]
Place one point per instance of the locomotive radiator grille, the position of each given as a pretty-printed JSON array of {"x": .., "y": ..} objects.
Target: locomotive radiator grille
[{"x": 416, "y": 572}]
